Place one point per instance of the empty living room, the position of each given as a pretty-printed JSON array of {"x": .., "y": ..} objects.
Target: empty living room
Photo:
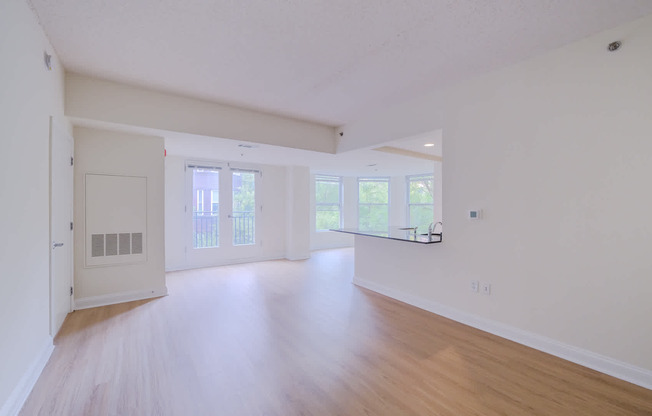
[{"x": 326, "y": 208}]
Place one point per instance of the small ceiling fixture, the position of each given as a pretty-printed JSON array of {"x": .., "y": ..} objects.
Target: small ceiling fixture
[
  {"x": 429, "y": 144},
  {"x": 373, "y": 164},
  {"x": 614, "y": 46},
  {"x": 248, "y": 146}
]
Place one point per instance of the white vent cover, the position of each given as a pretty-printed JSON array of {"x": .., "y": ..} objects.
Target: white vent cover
[
  {"x": 125, "y": 244},
  {"x": 116, "y": 219}
]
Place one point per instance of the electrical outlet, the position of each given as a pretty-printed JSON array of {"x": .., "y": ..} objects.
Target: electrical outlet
[
  {"x": 486, "y": 288},
  {"x": 475, "y": 286}
]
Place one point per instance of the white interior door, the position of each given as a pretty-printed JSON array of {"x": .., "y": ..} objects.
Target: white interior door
[
  {"x": 61, "y": 200},
  {"x": 222, "y": 214}
]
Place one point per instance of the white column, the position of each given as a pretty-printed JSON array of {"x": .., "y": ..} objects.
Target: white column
[{"x": 297, "y": 243}]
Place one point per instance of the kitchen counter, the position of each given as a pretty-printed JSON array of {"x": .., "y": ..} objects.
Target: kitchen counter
[{"x": 396, "y": 233}]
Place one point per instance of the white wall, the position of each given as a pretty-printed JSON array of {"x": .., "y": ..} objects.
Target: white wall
[
  {"x": 114, "y": 153},
  {"x": 297, "y": 237},
  {"x": 275, "y": 205},
  {"x": 100, "y": 100},
  {"x": 175, "y": 214},
  {"x": 272, "y": 223},
  {"x": 557, "y": 152},
  {"x": 438, "y": 190},
  {"x": 30, "y": 95}
]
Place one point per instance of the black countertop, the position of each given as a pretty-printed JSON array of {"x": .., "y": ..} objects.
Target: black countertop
[{"x": 396, "y": 233}]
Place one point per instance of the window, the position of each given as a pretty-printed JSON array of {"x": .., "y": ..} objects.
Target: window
[
  {"x": 373, "y": 204},
  {"x": 215, "y": 202},
  {"x": 205, "y": 215},
  {"x": 328, "y": 202},
  {"x": 244, "y": 207},
  {"x": 420, "y": 201},
  {"x": 199, "y": 201}
]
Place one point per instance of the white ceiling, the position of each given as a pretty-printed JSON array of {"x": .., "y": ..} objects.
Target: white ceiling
[
  {"x": 416, "y": 143},
  {"x": 328, "y": 61}
]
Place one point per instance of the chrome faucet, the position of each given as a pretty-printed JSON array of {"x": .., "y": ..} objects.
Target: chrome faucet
[{"x": 432, "y": 226}]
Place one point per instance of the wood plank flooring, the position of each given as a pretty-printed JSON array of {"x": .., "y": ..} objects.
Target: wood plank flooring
[{"x": 297, "y": 338}]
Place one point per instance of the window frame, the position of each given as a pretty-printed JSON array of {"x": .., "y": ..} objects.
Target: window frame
[
  {"x": 385, "y": 179},
  {"x": 408, "y": 179},
  {"x": 212, "y": 194},
  {"x": 200, "y": 201},
  {"x": 331, "y": 179}
]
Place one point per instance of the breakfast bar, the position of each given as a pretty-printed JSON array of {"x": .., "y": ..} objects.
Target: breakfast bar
[
  {"x": 385, "y": 259},
  {"x": 408, "y": 234}
]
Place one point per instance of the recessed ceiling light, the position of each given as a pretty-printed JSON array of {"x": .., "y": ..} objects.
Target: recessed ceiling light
[
  {"x": 248, "y": 146},
  {"x": 429, "y": 144},
  {"x": 373, "y": 164}
]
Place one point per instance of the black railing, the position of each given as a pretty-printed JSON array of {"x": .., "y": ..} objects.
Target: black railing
[
  {"x": 244, "y": 227},
  {"x": 206, "y": 228}
]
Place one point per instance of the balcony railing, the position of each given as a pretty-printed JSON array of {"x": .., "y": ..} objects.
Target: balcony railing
[
  {"x": 244, "y": 228},
  {"x": 206, "y": 228}
]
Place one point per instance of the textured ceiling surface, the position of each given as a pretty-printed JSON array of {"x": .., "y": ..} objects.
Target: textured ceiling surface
[{"x": 329, "y": 61}]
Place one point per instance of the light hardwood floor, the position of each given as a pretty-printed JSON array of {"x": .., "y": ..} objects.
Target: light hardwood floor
[{"x": 297, "y": 338}]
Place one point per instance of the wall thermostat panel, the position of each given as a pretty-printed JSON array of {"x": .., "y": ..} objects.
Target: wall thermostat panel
[{"x": 475, "y": 214}]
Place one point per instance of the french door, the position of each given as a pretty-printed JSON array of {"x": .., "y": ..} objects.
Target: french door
[{"x": 222, "y": 213}]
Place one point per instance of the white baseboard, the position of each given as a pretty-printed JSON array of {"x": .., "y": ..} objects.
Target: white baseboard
[
  {"x": 586, "y": 358},
  {"x": 24, "y": 387},
  {"x": 103, "y": 300}
]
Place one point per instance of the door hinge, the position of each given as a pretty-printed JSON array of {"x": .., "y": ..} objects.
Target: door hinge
[
  {"x": 70, "y": 225},
  {"x": 71, "y": 291},
  {"x": 72, "y": 161}
]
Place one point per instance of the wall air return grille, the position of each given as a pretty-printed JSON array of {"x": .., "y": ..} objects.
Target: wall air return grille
[
  {"x": 97, "y": 245},
  {"x": 111, "y": 244},
  {"x": 124, "y": 240},
  {"x": 115, "y": 219},
  {"x": 137, "y": 243},
  {"x": 122, "y": 244}
]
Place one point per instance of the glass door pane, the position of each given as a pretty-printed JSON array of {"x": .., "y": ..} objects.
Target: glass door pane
[
  {"x": 206, "y": 208},
  {"x": 244, "y": 208}
]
